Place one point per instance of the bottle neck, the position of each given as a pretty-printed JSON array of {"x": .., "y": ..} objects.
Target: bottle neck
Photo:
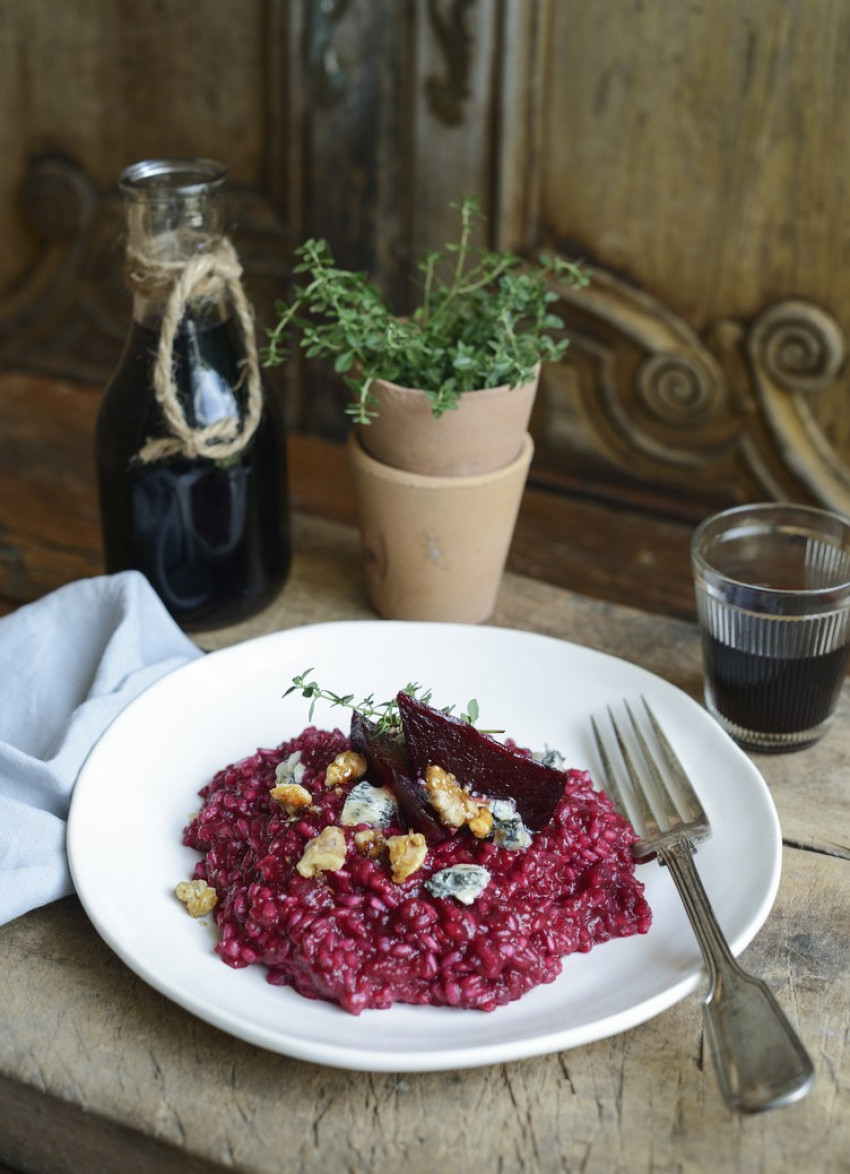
[
  {"x": 149, "y": 312},
  {"x": 156, "y": 262},
  {"x": 174, "y": 214}
]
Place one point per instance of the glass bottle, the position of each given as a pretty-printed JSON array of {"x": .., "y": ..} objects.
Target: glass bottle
[{"x": 190, "y": 449}]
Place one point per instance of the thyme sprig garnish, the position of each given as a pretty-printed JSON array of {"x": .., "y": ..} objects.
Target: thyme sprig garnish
[{"x": 384, "y": 714}]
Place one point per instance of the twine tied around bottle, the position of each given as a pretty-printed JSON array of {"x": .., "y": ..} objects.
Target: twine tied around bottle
[{"x": 206, "y": 276}]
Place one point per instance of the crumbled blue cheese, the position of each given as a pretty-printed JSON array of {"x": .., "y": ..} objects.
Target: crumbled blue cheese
[
  {"x": 375, "y": 806},
  {"x": 291, "y": 770},
  {"x": 550, "y": 757},
  {"x": 464, "y": 882},
  {"x": 508, "y": 829}
]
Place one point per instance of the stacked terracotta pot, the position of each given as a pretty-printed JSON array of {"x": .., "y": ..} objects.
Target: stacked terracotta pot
[{"x": 438, "y": 499}]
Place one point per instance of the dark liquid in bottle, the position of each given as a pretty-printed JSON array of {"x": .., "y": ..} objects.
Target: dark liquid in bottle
[
  {"x": 211, "y": 536},
  {"x": 773, "y": 695}
]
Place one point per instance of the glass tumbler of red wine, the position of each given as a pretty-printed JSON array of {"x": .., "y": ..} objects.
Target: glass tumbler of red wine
[{"x": 773, "y": 600}]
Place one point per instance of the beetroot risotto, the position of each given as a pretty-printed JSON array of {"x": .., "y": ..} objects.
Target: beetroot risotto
[{"x": 429, "y": 864}]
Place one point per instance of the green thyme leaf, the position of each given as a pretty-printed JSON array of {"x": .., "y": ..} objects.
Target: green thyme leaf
[
  {"x": 483, "y": 319},
  {"x": 384, "y": 714}
]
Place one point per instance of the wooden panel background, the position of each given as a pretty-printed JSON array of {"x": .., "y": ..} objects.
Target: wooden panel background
[
  {"x": 695, "y": 151},
  {"x": 694, "y": 154}
]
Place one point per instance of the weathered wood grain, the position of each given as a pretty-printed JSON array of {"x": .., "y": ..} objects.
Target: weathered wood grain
[
  {"x": 105, "y": 91},
  {"x": 49, "y": 528},
  {"x": 96, "y": 1067}
]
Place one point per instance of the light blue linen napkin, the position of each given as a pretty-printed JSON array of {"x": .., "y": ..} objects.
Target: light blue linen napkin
[{"x": 69, "y": 663}]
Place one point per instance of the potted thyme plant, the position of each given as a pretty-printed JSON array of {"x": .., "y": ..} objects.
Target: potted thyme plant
[
  {"x": 440, "y": 399},
  {"x": 484, "y": 324}
]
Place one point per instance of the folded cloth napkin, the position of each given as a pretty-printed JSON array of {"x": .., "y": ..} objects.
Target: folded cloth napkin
[{"x": 70, "y": 662}]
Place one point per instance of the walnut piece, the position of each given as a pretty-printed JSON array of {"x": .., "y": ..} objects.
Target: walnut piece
[
  {"x": 198, "y": 897},
  {"x": 292, "y": 797},
  {"x": 345, "y": 767},
  {"x": 455, "y": 806},
  {"x": 370, "y": 842},
  {"x": 324, "y": 853},
  {"x": 481, "y": 825},
  {"x": 407, "y": 855}
]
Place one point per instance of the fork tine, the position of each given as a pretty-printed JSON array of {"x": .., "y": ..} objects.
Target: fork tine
[
  {"x": 612, "y": 787},
  {"x": 607, "y": 768},
  {"x": 687, "y": 794},
  {"x": 642, "y": 802},
  {"x": 669, "y": 809}
]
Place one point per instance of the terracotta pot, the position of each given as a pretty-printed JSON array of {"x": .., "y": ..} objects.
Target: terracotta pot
[
  {"x": 435, "y": 548},
  {"x": 485, "y": 432}
]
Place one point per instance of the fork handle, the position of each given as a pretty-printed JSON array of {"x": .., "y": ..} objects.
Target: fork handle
[{"x": 761, "y": 1062}]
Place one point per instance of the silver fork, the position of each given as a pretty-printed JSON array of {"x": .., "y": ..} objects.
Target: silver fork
[{"x": 760, "y": 1061}]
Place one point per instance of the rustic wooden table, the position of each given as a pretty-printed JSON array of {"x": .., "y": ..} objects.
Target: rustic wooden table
[{"x": 100, "y": 1074}]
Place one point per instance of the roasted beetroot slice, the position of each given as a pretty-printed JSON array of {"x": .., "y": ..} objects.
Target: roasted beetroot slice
[
  {"x": 478, "y": 762},
  {"x": 390, "y": 767}
]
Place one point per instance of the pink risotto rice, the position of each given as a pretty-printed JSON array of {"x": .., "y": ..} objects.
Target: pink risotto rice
[{"x": 356, "y": 937}]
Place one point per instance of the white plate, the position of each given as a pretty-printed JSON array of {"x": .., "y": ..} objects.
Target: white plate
[{"x": 140, "y": 785}]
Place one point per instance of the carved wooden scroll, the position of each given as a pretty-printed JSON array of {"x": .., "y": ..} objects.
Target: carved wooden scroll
[
  {"x": 728, "y": 414},
  {"x": 797, "y": 352},
  {"x": 61, "y": 316}
]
